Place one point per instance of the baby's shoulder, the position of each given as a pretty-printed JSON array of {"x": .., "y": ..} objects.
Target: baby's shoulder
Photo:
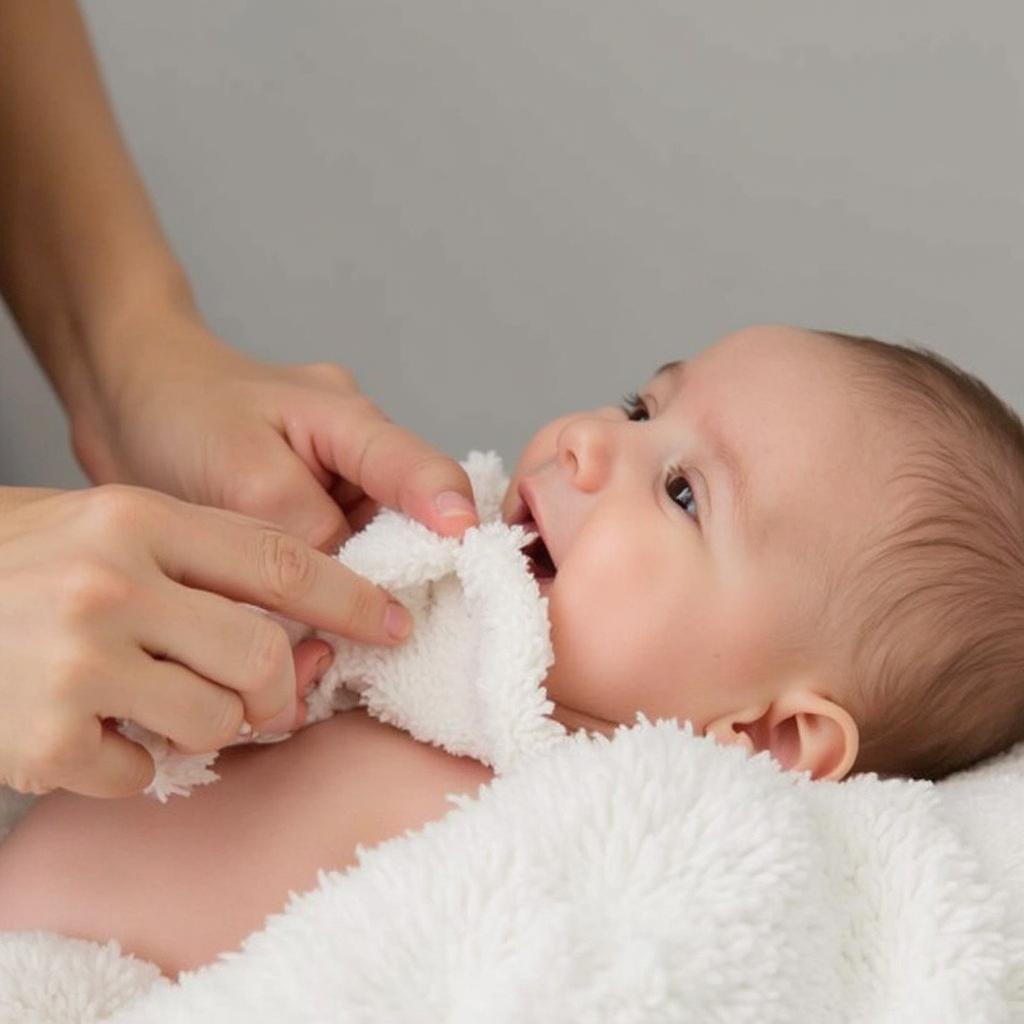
[{"x": 387, "y": 781}]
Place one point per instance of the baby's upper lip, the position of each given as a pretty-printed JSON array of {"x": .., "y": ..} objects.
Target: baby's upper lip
[{"x": 528, "y": 498}]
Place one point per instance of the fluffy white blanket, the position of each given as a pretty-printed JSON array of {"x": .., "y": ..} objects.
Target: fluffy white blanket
[{"x": 652, "y": 877}]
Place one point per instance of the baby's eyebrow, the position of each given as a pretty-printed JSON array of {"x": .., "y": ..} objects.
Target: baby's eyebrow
[{"x": 675, "y": 364}]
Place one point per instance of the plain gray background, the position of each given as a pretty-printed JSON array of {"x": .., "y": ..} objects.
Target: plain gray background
[{"x": 494, "y": 212}]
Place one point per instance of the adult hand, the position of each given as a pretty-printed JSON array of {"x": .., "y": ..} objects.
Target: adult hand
[
  {"x": 298, "y": 446},
  {"x": 118, "y": 602},
  {"x": 155, "y": 399}
]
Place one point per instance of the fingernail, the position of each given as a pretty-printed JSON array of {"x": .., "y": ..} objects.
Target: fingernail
[
  {"x": 318, "y": 673},
  {"x": 397, "y": 621},
  {"x": 451, "y": 504},
  {"x": 245, "y": 729}
]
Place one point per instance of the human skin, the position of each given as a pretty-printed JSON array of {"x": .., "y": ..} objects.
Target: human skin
[
  {"x": 666, "y": 600},
  {"x": 154, "y": 398},
  {"x": 98, "y": 588},
  {"x": 180, "y": 882},
  {"x": 650, "y": 611},
  {"x": 112, "y": 607}
]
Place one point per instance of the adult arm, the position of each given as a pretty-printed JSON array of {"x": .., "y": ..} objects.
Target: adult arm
[{"x": 153, "y": 396}]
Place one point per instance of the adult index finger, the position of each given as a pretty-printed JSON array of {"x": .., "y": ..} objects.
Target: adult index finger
[
  {"x": 392, "y": 465},
  {"x": 248, "y": 560}
]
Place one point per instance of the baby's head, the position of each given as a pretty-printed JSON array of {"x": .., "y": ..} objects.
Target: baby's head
[{"x": 803, "y": 542}]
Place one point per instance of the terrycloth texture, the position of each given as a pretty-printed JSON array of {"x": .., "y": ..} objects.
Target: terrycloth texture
[
  {"x": 655, "y": 877},
  {"x": 651, "y": 878},
  {"x": 469, "y": 679}
]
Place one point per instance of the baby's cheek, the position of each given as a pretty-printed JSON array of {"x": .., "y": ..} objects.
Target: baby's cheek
[{"x": 609, "y": 636}]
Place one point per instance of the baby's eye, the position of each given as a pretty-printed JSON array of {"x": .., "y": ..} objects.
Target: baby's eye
[
  {"x": 680, "y": 491},
  {"x": 676, "y": 485},
  {"x": 634, "y": 407}
]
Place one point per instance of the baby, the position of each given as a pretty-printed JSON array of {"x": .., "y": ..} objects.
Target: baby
[{"x": 802, "y": 542}]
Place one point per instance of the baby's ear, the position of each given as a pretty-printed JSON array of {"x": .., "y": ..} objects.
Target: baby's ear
[{"x": 800, "y": 729}]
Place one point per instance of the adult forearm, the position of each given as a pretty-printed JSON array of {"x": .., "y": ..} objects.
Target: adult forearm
[{"x": 83, "y": 253}]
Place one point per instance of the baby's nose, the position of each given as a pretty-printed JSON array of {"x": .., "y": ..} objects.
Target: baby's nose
[{"x": 586, "y": 449}]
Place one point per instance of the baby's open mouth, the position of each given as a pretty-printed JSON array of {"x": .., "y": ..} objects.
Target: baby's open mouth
[{"x": 540, "y": 563}]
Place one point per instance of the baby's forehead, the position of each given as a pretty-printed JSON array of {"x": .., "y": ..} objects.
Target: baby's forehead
[
  {"x": 754, "y": 350},
  {"x": 766, "y": 375},
  {"x": 810, "y": 459}
]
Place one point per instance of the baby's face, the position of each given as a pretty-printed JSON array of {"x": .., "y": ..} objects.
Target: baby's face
[{"x": 687, "y": 532}]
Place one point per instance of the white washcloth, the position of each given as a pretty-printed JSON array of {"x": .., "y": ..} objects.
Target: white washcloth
[{"x": 470, "y": 679}]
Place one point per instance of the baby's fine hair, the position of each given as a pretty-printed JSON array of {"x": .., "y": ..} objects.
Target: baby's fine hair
[{"x": 936, "y": 603}]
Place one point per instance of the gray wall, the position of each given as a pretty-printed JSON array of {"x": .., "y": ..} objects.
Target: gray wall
[{"x": 497, "y": 211}]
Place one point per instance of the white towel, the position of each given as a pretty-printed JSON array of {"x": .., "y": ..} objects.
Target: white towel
[
  {"x": 470, "y": 679},
  {"x": 651, "y": 878}
]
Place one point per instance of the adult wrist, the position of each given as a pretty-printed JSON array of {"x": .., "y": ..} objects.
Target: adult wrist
[
  {"x": 124, "y": 348},
  {"x": 120, "y": 333},
  {"x": 77, "y": 333}
]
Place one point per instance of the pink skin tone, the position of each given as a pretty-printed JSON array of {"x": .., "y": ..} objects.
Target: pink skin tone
[
  {"x": 651, "y": 609},
  {"x": 312, "y": 659},
  {"x": 664, "y": 601},
  {"x": 177, "y": 883}
]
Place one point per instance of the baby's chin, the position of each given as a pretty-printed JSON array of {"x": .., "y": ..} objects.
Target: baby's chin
[{"x": 577, "y": 721}]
